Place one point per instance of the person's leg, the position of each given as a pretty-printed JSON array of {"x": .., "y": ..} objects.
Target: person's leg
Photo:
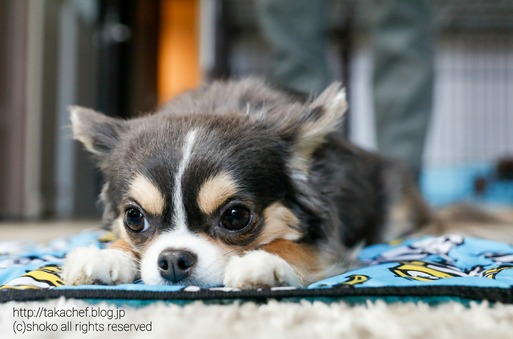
[
  {"x": 297, "y": 31},
  {"x": 403, "y": 47}
]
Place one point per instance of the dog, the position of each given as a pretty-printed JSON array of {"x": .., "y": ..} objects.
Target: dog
[{"x": 238, "y": 184}]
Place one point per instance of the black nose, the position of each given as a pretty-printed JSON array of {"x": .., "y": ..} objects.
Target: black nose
[{"x": 176, "y": 265}]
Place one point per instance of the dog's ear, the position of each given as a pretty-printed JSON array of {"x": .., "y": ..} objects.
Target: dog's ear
[
  {"x": 97, "y": 132},
  {"x": 323, "y": 116},
  {"x": 308, "y": 127}
]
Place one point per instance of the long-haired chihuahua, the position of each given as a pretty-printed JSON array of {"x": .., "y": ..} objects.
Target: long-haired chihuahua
[{"x": 238, "y": 184}]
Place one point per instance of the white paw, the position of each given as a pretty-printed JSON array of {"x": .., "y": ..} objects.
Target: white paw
[
  {"x": 90, "y": 265},
  {"x": 259, "y": 269}
]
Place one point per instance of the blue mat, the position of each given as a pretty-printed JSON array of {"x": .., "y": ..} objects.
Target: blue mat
[{"x": 432, "y": 269}]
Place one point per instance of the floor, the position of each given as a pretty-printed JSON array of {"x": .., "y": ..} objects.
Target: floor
[{"x": 43, "y": 231}]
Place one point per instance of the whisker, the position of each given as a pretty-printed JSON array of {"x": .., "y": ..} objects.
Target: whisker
[{"x": 230, "y": 252}]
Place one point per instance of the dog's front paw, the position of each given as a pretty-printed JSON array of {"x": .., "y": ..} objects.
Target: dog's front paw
[
  {"x": 259, "y": 269},
  {"x": 89, "y": 265}
]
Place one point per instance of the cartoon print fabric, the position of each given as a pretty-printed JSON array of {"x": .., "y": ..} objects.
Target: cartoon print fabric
[
  {"x": 445, "y": 260},
  {"x": 27, "y": 265}
]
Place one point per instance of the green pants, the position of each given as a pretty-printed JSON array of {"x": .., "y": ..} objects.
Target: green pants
[{"x": 402, "y": 45}]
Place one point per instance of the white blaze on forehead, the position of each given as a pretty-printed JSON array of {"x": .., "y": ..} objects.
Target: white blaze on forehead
[
  {"x": 147, "y": 195},
  {"x": 179, "y": 213}
]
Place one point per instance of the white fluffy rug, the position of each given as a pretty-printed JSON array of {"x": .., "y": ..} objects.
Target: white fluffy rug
[{"x": 266, "y": 321}]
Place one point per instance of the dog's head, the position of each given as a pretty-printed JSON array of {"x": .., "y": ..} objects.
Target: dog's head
[{"x": 188, "y": 190}]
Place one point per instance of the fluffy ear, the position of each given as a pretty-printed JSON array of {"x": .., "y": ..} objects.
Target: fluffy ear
[
  {"x": 326, "y": 114},
  {"x": 322, "y": 117},
  {"x": 97, "y": 132}
]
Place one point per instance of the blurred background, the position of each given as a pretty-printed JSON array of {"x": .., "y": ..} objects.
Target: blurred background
[{"x": 124, "y": 57}]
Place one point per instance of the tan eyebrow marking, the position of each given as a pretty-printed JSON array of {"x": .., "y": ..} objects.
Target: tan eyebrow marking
[
  {"x": 147, "y": 195},
  {"x": 215, "y": 191}
]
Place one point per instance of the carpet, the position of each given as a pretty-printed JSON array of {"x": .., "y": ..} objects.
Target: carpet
[{"x": 251, "y": 320}]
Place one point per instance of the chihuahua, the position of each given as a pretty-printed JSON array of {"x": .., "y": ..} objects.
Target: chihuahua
[{"x": 238, "y": 184}]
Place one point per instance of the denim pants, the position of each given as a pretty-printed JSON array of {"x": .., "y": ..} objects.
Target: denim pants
[{"x": 402, "y": 40}]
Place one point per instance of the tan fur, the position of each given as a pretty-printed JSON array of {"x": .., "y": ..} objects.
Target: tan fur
[
  {"x": 135, "y": 246},
  {"x": 121, "y": 244},
  {"x": 123, "y": 239},
  {"x": 125, "y": 246},
  {"x": 215, "y": 191},
  {"x": 280, "y": 223},
  {"x": 147, "y": 195},
  {"x": 305, "y": 259}
]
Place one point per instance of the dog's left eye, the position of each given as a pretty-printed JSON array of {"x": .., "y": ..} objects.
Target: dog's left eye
[
  {"x": 235, "y": 218},
  {"x": 135, "y": 220}
]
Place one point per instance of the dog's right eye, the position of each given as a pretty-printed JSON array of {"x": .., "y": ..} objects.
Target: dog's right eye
[
  {"x": 235, "y": 218},
  {"x": 135, "y": 220}
]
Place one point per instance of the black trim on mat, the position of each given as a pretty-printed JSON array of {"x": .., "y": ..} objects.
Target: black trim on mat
[{"x": 503, "y": 295}]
